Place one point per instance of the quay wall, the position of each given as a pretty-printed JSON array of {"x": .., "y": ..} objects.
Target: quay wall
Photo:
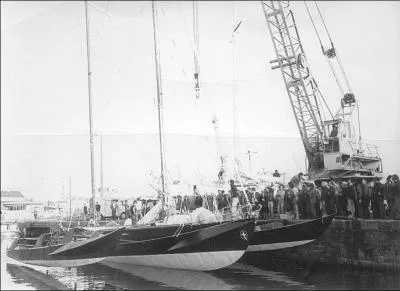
[{"x": 365, "y": 243}]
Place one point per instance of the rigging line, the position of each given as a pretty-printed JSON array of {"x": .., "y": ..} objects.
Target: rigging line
[
  {"x": 319, "y": 99},
  {"x": 330, "y": 39},
  {"x": 326, "y": 29},
  {"x": 341, "y": 68},
  {"x": 196, "y": 51},
  {"x": 334, "y": 74},
  {"x": 322, "y": 96},
  {"x": 359, "y": 125},
  {"x": 192, "y": 38},
  {"x": 315, "y": 28}
]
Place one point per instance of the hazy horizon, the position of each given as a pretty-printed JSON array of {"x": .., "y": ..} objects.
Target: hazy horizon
[{"x": 40, "y": 165}]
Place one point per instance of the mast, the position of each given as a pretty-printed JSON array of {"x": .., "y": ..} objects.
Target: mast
[
  {"x": 101, "y": 167},
  {"x": 90, "y": 109},
  {"x": 236, "y": 176},
  {"x": 159, "y": 100},
  {"x": 70, "y": 198}
]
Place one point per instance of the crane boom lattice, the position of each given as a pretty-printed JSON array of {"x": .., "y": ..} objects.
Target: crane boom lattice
[{"x": 299, "y": 83}]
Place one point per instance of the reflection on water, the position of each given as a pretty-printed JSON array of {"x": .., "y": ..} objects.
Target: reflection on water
[{"x": 242, "y": 275}]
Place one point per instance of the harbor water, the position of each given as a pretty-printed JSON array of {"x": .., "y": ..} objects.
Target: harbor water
[{"x": 254, "y": 274}]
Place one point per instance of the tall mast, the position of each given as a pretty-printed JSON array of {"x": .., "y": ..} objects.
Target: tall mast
[
  {"x": 70, "y": 197},
  {"x": 159, "y": 99},
  {"x": 235, "y": 127},
  {"x": 90, "y": 108},
  {"x": 101, "y": 168}
]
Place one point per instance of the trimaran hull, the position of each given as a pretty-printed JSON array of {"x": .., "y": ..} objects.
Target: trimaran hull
[{"x": 199, "y": 247}]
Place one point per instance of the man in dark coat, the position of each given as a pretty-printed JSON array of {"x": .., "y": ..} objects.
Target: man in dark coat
[
  {"x": 365, "y": 198},
  {"x": 388, "y": 194},
  {"x": 85, "y": 211},
  {"x": 352, "y": 194},
  {"x": 396, "y": 195},
  {"x": 314, "y": 201},
  {"x": 377, "y": 205}
]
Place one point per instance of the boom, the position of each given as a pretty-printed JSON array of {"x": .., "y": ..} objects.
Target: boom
[{"x": 299, "y": 83}]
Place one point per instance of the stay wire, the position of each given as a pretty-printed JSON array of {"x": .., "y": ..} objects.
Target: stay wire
[
  {"x": 322, "y": 47},
  {"x": 315, "y": 28},
  {"x": 336, "y": 52}
]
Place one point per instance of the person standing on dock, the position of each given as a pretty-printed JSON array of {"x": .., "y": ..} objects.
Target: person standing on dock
[
  {"x": 352, "y": 197},
  {"x": 139, "y": 208},
  {"x": 291, "y": 203},
  {"x": 396, "y": 196},
  {"x": 388, "y": 193},
  {"x": 113, "y": 207},
  {"x": 359, "y": 210},
  {"x": 280, "y": 193},
  {"x": 98, "y": 213},
  {"x": 270, "y": 201},
  {"x": 297, "y": 180},
  {"x": 365, "y": 198},
  {"x": 314, "y": 201},
  {"x": 378, "y": 208},
  {"x": 324, "y": 196},
  {"x": 234, "y": 196},
  {"x": 85, "y": 211},
  {"x": 35, "y": 214},
  {"x": 342, "y": 199}
]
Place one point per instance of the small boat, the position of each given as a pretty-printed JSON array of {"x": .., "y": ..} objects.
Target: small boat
[{"x": 280, "y": 234}]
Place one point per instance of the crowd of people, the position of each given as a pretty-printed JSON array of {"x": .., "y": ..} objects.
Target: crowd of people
[{"x": 299, "y": 199}]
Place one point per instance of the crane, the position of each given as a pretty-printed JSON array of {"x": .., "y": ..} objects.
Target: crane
[{"x": 332, "y": 150}]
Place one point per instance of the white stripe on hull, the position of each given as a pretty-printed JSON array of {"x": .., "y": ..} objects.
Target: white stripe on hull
[
  {"x": 201, "y": 261},
  {"x": 276, "y": 246},
  {"x": 63, "y": 263}
]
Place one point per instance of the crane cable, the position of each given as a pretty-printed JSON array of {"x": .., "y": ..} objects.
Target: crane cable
[
  {"x": 337, "y": 57},
  {"x": 196, "y": 48},
  {"x": 205, "y": 101},
  {"x": 323, "y": 50},
  {"x": 336, "y": 52}
]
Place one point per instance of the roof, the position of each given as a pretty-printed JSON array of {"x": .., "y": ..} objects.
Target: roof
[{"x": 14, "y": 194}]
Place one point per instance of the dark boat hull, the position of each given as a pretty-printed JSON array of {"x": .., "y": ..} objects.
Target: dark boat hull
[
  {"x": 287, "y": 236},
  {"x": 70, "y": 254},
  {"x": 194, "y": 247},
  {"x": 189, "y": 247}
]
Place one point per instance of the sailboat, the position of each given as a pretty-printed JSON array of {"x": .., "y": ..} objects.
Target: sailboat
[
  {"x": 195, "y": 246},
  {"x": 268, "y": 234}
]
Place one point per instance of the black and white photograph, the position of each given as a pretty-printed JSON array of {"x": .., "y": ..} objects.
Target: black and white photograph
[{"x": 200, "y": 145}]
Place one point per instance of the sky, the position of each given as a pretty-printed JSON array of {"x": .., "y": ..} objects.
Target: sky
[{"x": 44, "y": 93}]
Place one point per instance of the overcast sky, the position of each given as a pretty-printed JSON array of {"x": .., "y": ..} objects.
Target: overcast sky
[{"x": 44, "y": 73}]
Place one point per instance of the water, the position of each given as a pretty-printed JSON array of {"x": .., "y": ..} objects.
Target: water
[{"x": 242, "y": 275}]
